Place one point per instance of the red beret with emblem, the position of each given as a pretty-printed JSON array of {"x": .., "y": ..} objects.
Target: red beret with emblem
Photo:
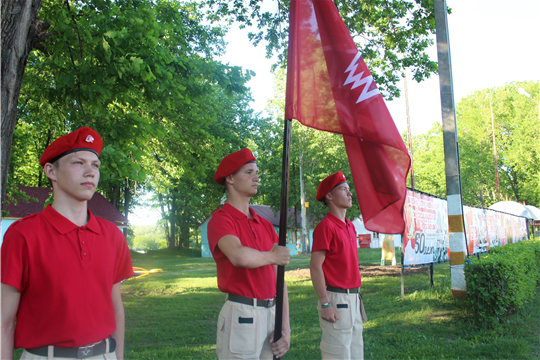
[
  {"x": 231, "y": 163},
  {"x": 84, "y": 139},
  {"x": 329, "y": 183}
]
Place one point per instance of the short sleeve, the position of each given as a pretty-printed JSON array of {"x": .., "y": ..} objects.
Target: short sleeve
[
  {"x": 124, "y": 267},
  {"x": 219, "y": 226},
  {"x": 322, "y": 237},
  {"x": 273, "y": 233},
  {"x": 14, "y": 257}
]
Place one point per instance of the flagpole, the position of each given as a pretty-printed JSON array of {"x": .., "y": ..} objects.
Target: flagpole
[{"x": 284, "y": 212}]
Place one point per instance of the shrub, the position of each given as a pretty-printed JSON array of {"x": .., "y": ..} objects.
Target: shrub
[{"x": 503, "y": 280}]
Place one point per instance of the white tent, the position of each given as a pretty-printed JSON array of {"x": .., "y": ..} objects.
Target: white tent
[
  {"x": 534, "y": 211},
  {"x": 514, "y": 208}
]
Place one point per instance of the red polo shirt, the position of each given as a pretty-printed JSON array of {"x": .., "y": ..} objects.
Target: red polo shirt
[
  {"x": 65, "y": 275},
  {"x": 256, "y": 233},
  {"x": 338, "y": 238}
]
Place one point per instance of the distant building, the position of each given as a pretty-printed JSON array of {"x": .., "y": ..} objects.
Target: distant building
[
  {"x": 98, "y": 205},
  {"x": 370, "y": 239}
]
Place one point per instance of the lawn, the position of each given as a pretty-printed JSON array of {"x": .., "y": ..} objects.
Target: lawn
[{"x": 172, "y": 315}]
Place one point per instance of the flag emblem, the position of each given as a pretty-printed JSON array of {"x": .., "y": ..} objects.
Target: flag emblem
[
  {"x": 330, "y": 88},
  {"x": 357, "y": 79}
]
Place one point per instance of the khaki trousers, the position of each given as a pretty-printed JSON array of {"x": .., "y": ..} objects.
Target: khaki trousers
[
  {"x": 343, "y": 339},
  {"x": 243, "y": 331}
]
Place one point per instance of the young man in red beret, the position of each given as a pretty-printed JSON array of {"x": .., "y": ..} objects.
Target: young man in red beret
[
  {"x": 244, "y": 246},
  {"x": 335, "y": 274},
  {"x": 62, "y": 267}
]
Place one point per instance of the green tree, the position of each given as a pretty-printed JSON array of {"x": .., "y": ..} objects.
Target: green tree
[
  {"x": 147, "y": 237},
  {"x": 120, "y": 67},
  {"x": 139, "y": 72},
  {"x": 517, "y": 139},
  {"x": 428, "y": 157},
  {"x": 182, "y": 176},
  {"x": 391, "y": 35}
]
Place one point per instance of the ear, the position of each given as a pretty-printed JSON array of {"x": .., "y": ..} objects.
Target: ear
[
  {"x": 328, "y": 196},
  {"x": 229, "y": 179},
  {"x": 50, "y": 171}
]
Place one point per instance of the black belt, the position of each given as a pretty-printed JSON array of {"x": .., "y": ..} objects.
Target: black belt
[
  {"x": 76, "y": 352},
  {"x": 249, "y": 301},
  {"x": 343, "y": 291}
]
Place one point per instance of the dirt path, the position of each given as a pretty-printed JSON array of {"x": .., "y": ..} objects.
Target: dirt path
[{"x": 367, "y": 271}]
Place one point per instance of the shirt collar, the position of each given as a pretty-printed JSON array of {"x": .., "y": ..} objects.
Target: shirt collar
[
  {"x": 238, "y": 214},
  {"x": 337, "y": 221},
  {"x": 63, "y": 225}
]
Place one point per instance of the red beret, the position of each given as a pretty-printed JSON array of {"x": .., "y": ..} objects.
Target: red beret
[
  {"x": 231, "y": 163},
  {"x": 329, "y": 183},
  {"x": 84, "y": 139}
]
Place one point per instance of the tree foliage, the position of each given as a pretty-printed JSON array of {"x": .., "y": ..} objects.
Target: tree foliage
[
  {"x": 147, "y": 237},
  {"x": 142, "y": 74},
  {"x": 391, "y": 35},
  {"x": 517, "y": 139}
]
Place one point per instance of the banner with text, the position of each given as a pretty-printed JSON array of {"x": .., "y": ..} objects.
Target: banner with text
[{"x": 425, "y": 239}]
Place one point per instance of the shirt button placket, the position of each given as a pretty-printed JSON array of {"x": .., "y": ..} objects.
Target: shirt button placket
[
  {"x": 84, "y": 247},
  {"x": 252, "y": 229}
]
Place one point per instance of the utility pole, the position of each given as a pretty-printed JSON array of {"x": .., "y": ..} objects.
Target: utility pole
[
  {"x": 458, "y": 247},
  {"x": 495, "y": 152},
  {"x": 409, "y": 135},
  {"x": 303, "y": 215}
]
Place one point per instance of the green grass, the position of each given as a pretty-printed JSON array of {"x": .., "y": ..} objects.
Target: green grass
[
  {"x": 173, "y": 315},
  {"x": 366, "y": 257}
]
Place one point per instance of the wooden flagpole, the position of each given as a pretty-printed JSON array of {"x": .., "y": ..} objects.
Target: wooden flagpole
[{"x": 284, "y": 211}]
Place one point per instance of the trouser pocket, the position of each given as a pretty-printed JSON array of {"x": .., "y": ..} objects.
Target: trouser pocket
[
  {"x": 362, "y": 309},
  {"x": 220, "y": 335},
  {"x": 345, "y": 319},
  {"x": 244, "y": 331}
]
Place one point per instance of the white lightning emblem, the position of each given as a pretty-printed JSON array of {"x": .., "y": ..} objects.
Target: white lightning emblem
[{"x": 359, "y": 81}]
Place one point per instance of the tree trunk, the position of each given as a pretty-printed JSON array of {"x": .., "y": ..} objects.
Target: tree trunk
[
  {"x": 184, "y": 233},
  {"x": 20, "y": 31},
  {"x": 172, "y": 221},
  {"x": 40, "y": 178},
  {"x": 114, "y": 197},
  {"x": 164, "y": 216},
  {"x": 126, "y": 203}
]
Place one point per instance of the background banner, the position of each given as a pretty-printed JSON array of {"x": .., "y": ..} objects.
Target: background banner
[{"x": 425, "y": 239}]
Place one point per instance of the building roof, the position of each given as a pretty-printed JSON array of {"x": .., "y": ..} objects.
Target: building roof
[
  {"x": 513, "y": 208},
  {"x": 534, "y": 211},
  {"x": 98, "y": 205}
]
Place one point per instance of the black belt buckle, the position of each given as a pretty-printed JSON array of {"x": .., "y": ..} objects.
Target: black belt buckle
[{"x": 85, "y": 351}]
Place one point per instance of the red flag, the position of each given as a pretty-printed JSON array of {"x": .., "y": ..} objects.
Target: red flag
[{"x": 330, "y": 88}]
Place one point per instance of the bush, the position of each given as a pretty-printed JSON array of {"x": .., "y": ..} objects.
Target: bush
[{"x": 503, "y": 280}]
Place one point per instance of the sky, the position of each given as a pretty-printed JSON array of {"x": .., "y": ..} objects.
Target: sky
[{"x": 492, "y": 42}]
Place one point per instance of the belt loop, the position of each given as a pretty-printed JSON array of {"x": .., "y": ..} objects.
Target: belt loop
[
  {"x": 107, "y": 344},
  {"x": 255, "y": 304},
  {"x": 50, "y": 352}
]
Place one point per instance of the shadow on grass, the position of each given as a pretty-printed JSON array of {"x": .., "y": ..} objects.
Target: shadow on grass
[{"x": 174, "y": 316}]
